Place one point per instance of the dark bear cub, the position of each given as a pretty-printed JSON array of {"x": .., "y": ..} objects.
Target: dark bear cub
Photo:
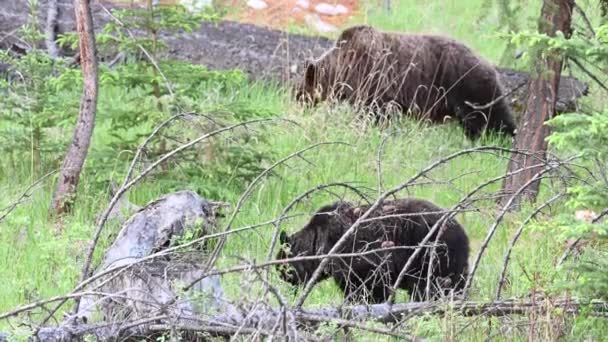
[
  {"x": 369, "y": 276},
  {"x": 426, "y": 76}
]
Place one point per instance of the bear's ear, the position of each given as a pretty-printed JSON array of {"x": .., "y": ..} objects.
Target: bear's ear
[
  {"x": 283, "y": 238},
  {"x": 310, "y": 74}
]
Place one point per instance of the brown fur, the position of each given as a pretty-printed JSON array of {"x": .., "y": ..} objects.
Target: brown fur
[
  {"x": 426, "y": 76},
  {"x": 370, "y": 277}
]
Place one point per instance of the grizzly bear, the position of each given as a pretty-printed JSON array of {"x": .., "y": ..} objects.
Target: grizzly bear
[
  {"x": 368, "y": 277},
  {"x": 425, "y": 76}
]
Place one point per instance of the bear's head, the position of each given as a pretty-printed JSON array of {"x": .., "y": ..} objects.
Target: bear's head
[
  {"x": 316, "y": 238},
  {"x": 343, "y": 69}
]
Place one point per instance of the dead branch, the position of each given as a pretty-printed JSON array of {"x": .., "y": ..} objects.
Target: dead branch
[
  {"x": 588, "y": 73},
  {"x": 496, "y": 100},
  {"x": 537, "y": 177},
  {"x": 261, "y": 320},
  {"x": 440, "y": 224},
  {"x": 25, "y": 196},
  {"x": 515, "y": 238}
]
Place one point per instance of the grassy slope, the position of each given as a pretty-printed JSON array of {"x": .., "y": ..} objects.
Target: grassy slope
[{"x": 37, "y": 260}]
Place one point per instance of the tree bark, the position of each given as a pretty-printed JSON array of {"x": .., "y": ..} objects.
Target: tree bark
[
  {"x": 556, "y": 15},
  {"x": 77, "y": 152}
]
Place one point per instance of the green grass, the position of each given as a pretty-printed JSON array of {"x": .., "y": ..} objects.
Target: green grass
[{"x": 40, "y": 257}]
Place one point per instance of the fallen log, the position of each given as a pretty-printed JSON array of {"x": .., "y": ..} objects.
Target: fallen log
[
  {"x": 264, "y": 321},
  {"x": 149, "y": 286},
  {"x": 264, "y": 54}
]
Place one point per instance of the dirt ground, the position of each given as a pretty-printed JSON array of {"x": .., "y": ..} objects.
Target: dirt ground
[{"x": 279, "y": 14}]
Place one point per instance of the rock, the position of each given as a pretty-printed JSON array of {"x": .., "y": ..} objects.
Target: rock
[
  {"x": 303, "y": 4},
  {"x": 257, "y": 4},
  {"x": 327, "y": 9},
  {"x": 196, "y": 6},
  {"x": 585, "y": 215},
  {"x": 315, "y": 22}
]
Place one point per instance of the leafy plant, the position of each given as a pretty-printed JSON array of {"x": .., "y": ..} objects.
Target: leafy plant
[
  {"x": 37, "y": 101},
  {"x": 586, "y": 134}
]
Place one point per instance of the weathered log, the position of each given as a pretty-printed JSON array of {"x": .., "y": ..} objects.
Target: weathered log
[
  {"x": 264, "y": 54},
  {"x": 148, "y": 287},
  {"x": 263, "y": 321}
]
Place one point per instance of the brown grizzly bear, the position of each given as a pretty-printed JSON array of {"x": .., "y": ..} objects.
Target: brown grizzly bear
[
  {"x": 368, "y": 278},
  {"x": 426, "y": 76}
]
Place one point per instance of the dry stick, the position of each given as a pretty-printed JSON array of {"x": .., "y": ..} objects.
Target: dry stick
[
  {"x": 380, "y": 151},
  {"x": 505, "y": 209},
  {"x": 568, "y": 251},
  {"x": 382, "y": 313},
  {"x": 328, "y": 256},
  {"x": 588, "y": 72},
  {"x": 585, "y": 18},
  {"x": 40, "y": 303},
  {"x": 276, "y": 293},
  {"x": 352, "y": 324},
  {"x": 317, "y": 273},
  {"x": 24, "y": 196},
  {"x": 530, "y": 217},
  {"x": 488, "y": 105},
  {"x": 242, "y": 199},
  {"x": 441, "y": 222}
]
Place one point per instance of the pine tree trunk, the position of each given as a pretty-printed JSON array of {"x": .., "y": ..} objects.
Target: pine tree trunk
[
  {"x": 556, "y": 15},
  {"x": 77, "y": 152}
]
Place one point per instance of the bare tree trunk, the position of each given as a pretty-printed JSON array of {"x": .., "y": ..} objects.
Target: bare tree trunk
[
  {"x": 51, "y": 29},
  {"x": 77, "y": 153},
  {"x": 556, "y": 15}
]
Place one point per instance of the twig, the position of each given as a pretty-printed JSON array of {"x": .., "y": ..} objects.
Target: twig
[
  {"x": 530, "y": 217},
  {"x": 24, "y": 196},
  {"x": 589, "y": 73},
  {"x": 495, "y": 101},
  {"x": 538, "y": 176},
  {"x": 585, "y": 18}
]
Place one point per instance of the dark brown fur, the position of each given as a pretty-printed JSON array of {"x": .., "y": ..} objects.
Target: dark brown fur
[
  {"x": 426, "y": 76},
  {"x": 370, "y": 277}
]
